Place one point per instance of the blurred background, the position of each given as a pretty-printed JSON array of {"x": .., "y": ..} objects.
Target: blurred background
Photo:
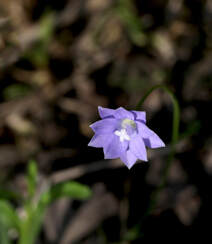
[{"x": 60, "y": 60}]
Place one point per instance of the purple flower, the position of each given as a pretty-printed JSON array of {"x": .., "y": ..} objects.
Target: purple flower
[{"x": 123, "y": 134}]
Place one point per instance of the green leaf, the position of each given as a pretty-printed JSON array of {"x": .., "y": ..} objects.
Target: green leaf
[
  {"x": 16, "y": 91},
  {"x": 127, "y": 13},
  {"x": 47, "y": 27},
  {"x": 4, "y": 238},
  {"x": 38, "y": 55},
  {"x": 8, "y": 216},
  {"x": 133, "y": 234},
  {"x": 31, "y": 226},
  {"x": 192, "y": 129},
  {"x": 32, "y": 177},
  {"x": 68, "y": 189},
  {"x": 7, "y": 194}
]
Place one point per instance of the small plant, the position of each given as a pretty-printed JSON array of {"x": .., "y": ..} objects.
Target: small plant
[{"x": 26, "y": 227}]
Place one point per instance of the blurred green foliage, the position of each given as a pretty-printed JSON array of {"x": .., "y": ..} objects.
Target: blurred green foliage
[
  {"x": 16, "y": 91},
  {"x": 127, "y": 13},
  {"x": 28, "y": 224},
  {"x": 38, "y": 55}
]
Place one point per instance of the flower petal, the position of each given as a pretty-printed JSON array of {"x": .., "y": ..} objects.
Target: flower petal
[
  {"x": 144, "y": 131},
  {"x": 128, "y": 158},
  {"x": 115, "y": 148},
  {"x": 154, "y": 141},
  {"x": 129, "y": 147},
  {"x": 105, "y": 112},
  {"x": 151, "y": 139},
  {"x": 104, "y": 126},
  {"x": 121, "y": 113},
  {"x": 137, "y": 147},
  {"x": 99, "y": 140},
  {"x": 139, "y": 115}
]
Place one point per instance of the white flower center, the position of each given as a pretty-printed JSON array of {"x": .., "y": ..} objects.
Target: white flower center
[{"x": 122, "y": 135}]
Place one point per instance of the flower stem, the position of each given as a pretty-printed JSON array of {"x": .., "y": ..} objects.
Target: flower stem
[{"x": 174, "y": 140}]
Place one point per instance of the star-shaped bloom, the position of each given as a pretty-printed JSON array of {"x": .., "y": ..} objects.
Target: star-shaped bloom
[{"x": 123, "y": 134}]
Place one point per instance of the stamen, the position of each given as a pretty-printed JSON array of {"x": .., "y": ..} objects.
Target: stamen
[{"x": 128, "y": 122}]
